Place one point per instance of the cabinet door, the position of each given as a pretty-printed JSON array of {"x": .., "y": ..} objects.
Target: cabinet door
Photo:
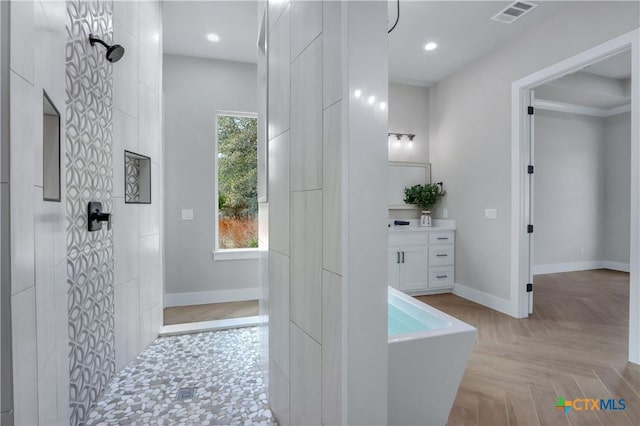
[
  {"x": 413, "y": 268},
  {"x": 393, "y": 261}
]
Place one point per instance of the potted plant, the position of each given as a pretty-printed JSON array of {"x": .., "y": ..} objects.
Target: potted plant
[{"x": 424, "y": 196}]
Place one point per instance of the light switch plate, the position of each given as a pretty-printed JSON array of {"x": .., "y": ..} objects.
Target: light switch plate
[
  {"x": 445, "y": 213},
  {"x": 187, "y": 214},
  {"x": 490, "y": 213}
]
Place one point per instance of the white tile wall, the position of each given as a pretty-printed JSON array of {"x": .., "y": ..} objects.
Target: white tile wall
[
  {"x": 306, "y": 261},
  {"x": 126, "y": 13},
  {"x": 331, "y": 348},
  {"x": 22, "y": 39},
  {"x": 275, "y": 11},
  {"x": 279, "y": 309},
  {"x": 279, "y": 193},
  {"x": 332, "y": 189},
  {"x": 38, "y": 229},
  {"x": 149, "y": 133},
  {"x": 25, "y": 362},
  {"x": 306, "y": 119},
  {"x": 279, "y": 394},
  {"x": 47, "y": 389},
  {"x": 280, "y": 76},
  {"x": 305, "y": 379},
  {"x": 125, "y": 137},
  {"x": 125, "y": 98},
  {"x": 150, "y": 273},
  {"x": 306, "y": 25},
  {"x": 22, "y": 209},
  {"x": 126, "y": 252},
  {"x": 127, "y": 317},
  {"x": 137, "y": 125},
  {"x": 150, "y": 39},
  {"x": 44, "y": 279},
  {"x": 331, "y": 52}
]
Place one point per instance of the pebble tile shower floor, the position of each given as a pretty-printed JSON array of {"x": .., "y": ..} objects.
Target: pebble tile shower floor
[{"x": 222, "y": 366}]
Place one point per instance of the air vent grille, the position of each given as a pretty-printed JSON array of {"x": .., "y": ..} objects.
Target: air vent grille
[{"x": 514, "y": 11}]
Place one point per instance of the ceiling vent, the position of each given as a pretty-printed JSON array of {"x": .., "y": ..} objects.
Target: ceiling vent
[{"x": 514, "y": 11}]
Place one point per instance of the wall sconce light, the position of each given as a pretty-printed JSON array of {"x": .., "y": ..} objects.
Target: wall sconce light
[{"x": 400, "y": 136}]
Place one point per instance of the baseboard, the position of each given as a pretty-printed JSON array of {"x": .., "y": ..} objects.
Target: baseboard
[
  {"x": 554, "y": 268},
  {"x": 616, "y": 266},
  {"x": 214, "y": 296},
  {"x": 488, "y": 300}
]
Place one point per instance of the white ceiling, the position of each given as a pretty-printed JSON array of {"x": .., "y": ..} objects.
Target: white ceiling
[
  {"x": 187, "y": 23},
  {"x": 463, "y": 30},
  {"x": 604, "y": 84},
  {"x": 618, "y": 66}
]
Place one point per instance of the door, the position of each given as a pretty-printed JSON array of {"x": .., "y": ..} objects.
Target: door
[
  {"x": 530, "y": 183},
  {"x": 413, "y": 268}
]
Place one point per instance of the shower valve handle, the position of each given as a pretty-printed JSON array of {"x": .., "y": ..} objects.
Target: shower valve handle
[{"x": 97, "y": 216}]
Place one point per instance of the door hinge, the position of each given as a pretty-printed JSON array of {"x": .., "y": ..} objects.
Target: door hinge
[
  {"x": 530, "y": 169},
  {"x": 530, "y": 110},
  {"x": 529, "y": 287},
  {"x": 529, "y": 229}
]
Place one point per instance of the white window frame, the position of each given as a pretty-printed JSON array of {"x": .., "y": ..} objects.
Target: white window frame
[{"x": 219, "y": 253}]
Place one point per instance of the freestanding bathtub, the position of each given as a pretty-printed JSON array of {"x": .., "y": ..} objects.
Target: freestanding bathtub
[{"x": 428, "y": 352}]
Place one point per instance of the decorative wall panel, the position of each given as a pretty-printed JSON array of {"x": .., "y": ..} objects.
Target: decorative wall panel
[
  {"x": 132, "y": 171},
  {"x": 89, "y": 87}
]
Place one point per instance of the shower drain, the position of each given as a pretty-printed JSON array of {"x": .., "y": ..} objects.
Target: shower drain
[{"x": 186, "y": 393}]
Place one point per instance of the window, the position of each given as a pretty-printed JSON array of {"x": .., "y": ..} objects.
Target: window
[{"x": 237, "y": 181}]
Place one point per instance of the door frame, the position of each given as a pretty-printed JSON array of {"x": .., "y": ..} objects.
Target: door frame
[{"x": 520, "y": 193}]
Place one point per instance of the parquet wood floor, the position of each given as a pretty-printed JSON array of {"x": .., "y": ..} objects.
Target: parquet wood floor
[
  {"x": 210, "y": 312},
  {"x": 574, "y": 346}
]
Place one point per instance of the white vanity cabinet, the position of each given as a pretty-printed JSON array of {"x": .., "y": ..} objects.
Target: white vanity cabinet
[{"x": 421, "y": 260}]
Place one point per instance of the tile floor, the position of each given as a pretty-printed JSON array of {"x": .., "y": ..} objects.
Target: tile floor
[{"x": 222, "y": 366}]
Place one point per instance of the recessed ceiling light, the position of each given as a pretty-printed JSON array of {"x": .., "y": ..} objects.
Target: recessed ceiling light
[
  {"x": 357, "y": 93},
  {"x": 371, "y": 99},
  {"x": 213, "y": 37},
  {"x": 430, "y": 46}
]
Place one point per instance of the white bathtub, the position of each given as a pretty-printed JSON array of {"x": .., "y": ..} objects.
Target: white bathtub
[{"x": 428, "y": 352}]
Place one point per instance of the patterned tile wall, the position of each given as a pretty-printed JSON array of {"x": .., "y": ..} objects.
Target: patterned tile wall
[
  {"x": 89, "y": 87},
  {"x": 132, "y": 179}
]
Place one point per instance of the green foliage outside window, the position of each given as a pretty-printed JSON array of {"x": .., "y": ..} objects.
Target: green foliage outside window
[{"x": 237, "y": 182}]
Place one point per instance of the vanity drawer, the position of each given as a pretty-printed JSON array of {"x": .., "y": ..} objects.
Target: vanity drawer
[
  {"x": 441, "y": 255},
  {"x": 441, "y": 277},
  {"x": 442, "y": 237},
  {"x": 404, "y": 238}
]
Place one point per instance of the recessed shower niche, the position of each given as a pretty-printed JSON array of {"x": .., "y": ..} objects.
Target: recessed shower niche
[
  {"x": 50, "y": 150},
  {"x": 137, "y": 178}
]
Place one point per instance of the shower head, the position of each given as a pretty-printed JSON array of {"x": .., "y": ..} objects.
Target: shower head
[{"x": 114, "y": 52}]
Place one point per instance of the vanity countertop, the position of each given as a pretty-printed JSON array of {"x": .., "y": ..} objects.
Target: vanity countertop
[{"x": 414, "y": 226}]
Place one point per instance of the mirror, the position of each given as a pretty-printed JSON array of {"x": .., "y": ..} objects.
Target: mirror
[
  {"x": 50, "y": 150},
  {"x": 137, "y": 178},
  {"x": 401, "y": 175}
]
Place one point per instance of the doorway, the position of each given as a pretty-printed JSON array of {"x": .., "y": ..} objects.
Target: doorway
[
  {"x": 523, "y": 188},
  {"x": 212, "y": 134}
]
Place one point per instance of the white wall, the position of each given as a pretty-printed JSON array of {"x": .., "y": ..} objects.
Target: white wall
[
  {"x": 195, "y": 89},
  {"x": 617, "y": 164},
  {"x": 409, "y": 113},
  {"x": 138, "y": 228},
  {"x": 328, "y": 345},
  {"x": 42, "y": 265},
  {"x": 582, "y": 191},
  {"x": 470, "y": 125},
  {"x": 569, "y": 193}
]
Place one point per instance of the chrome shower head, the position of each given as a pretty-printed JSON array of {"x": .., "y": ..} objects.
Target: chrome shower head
[{"x": 114, "y": 52}]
